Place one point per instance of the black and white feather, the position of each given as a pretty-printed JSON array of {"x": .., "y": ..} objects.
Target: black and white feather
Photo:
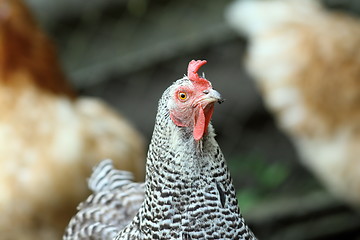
[
  {"x": 188, "y": 192},
  {"x": 113, "y": 204}
]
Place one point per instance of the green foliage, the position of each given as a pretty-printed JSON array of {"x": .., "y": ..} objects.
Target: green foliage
[
  {"x": 256, "y": 178},
  {"x": 247, "y": 198}
]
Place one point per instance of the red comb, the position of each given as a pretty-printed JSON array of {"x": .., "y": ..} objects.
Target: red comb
[{"x": 193, "y": 68}]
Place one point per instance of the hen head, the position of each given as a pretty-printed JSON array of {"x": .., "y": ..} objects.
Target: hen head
[{"x": 192, "y": 101}]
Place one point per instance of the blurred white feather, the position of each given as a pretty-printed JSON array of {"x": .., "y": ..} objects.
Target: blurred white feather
[
  {"x": 49, "y": 138},
  {"x": 305, "y": 60}
]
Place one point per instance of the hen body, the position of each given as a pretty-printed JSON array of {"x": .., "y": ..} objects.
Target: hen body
[
  {"x": 188, "y": 192},
  {"x": 305, "y": 60},
  {"x": 49, "y": 138}
]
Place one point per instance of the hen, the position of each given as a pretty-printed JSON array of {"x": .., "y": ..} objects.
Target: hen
[
  {"x": 188, "y": 189},
  {"x": 49, "y": 139},
  {"x": 306, "y": 62}
]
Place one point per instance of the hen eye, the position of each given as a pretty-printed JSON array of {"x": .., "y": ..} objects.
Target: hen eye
[{"x": 182, "y": 96}]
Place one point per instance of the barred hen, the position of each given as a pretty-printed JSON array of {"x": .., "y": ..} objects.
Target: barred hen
[
  {"x": 188, "y": 192},
  {"x": 306, "y": 62},
  {"x": 49, "y": 138}
]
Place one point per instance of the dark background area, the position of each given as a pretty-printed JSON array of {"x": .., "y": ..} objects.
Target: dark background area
[{"x": 128, "y": 52}]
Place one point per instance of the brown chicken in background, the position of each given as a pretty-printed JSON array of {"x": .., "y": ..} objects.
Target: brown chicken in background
[
  {"x": 306, "y": 62},
  {"x": 49, "y": 138}
]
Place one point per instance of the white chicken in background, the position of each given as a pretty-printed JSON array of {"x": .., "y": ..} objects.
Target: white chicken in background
[
  {"x": 49, "y": 138},
  {"x": 306, "y": 62}
]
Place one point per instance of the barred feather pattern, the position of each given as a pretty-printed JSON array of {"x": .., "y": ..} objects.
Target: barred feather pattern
[
  {"x": 189, "y": 193},
  {"x": 114, "y": 202}
]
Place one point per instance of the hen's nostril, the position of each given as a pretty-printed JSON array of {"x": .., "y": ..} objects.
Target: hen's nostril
[{"x": 206, "y": 91}]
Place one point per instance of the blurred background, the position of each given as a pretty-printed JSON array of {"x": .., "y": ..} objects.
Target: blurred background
[{"x": 127, "y": 52}]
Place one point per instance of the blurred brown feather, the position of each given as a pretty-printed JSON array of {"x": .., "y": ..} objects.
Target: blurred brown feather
[
  {"x": 49, "y": 138},
  {"x": 306, "y": 62},
  {"x": 25, "y": 48}
]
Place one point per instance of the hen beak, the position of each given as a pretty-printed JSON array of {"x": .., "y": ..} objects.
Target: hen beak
[{"x": 212, "y": 96}]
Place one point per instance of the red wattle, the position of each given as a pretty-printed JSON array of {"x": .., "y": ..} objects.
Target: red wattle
[
  {"x": 199, "y": 127},
  {"x": 202, "y": 121}
]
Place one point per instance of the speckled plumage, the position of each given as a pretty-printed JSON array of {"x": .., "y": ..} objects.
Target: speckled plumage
[
  {"x": 188, "y": 190},
  {"x": 115, "y": 202}
]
